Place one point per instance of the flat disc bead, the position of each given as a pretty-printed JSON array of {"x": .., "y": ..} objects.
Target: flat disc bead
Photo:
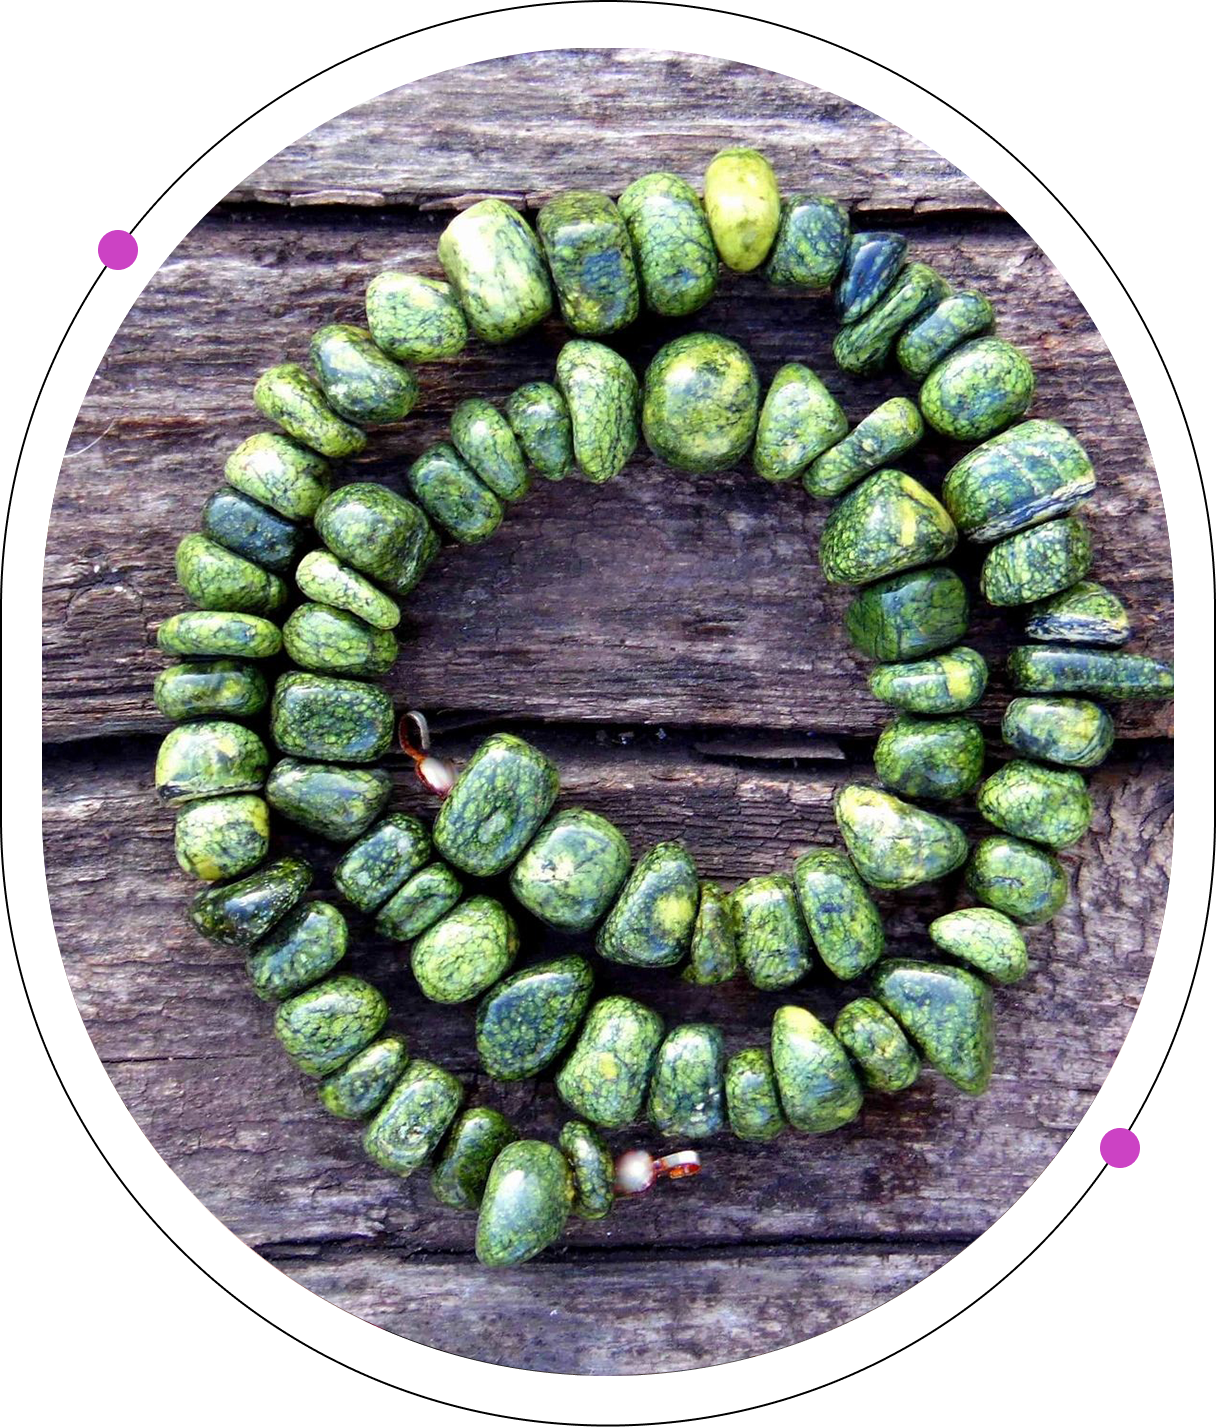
[
  {"x": 948, "y": 1014},
  {"x": 323, "y": 1027},
  {"x": 330, "y": 641},
  {"x": 327, "y": 581},
  {"x": 753, "y": 1106},
  {"x": 700, "y": 403},
  {"x": 526, "y": 1021},
  {"x": 336, "y": 802},
  {"x": 864, "y": 346},
  {"x": 943, "y": 684},
  {"x": 652, "y": 920},
  {"x": 453, "y": 495},
  {"x": 299, "y": 950},
  {"x": 1036, "y": 563},
  {"x": 818, "y": 1086},
  {"x": 1102, "y": 673},
  {"x": 676, "y": 258},
  {"x": 930, "y": 757},
  {"x": 465, "y": 952},
  {"x": 343, "y": 720},
  {"x": 484, "y": 439},
  {"x": 211, "y": 756},
  {"x": 408, "y": 1126},
  {"x": 812, "y": 240},
  {"x": 526, "y": 1203},
  {"x": 602, "y": 396},
  {"x": 987, "y": 940},
  {"x": 686, "y": 1089},
  {"x": 893, "y": 844},
  {"x": 606, "y": 1076},
  {"x": 379, "y": 533},
  {"x": 773, "y": 943},
  {"x": 743, "y": 205},
  {"x": 1017, "y": 878},
  {"x": 910, "y": 614},
  {"x": 591, "y": 1165},
  {"x": 238, "y": 913},
  {"x": 280, "y": 473},
  {"x": 713, "y": 954},
  {"x": 218, "y": 838},
  {"x": 497, "y": 806},
  {"x": 358, "y": 1088},
  {"x": 246, "y": 527},
  {"x": 415, "y": 319},
  {"x": 419, "y": 903},
  {"x": 876, "y": 441},
  {"x": 222, "y": 687},
  {"x": 1074, "y": 732},
  {"x": 977, "y": 390},
  {"x": 218, "y": 579},
  {"x": 359, "y": 381},
  {"x": 1088, "y": 613},
  {"x": 799, "y": 419},
  {"x": 382, "y": 861},
  {"x": 287, "y": 395},
  {"x": 538, "y": 415},
  {"x": 572, "y": 870},
  {"x": 223, "y": 633},
  {"x": 935, "y": 333},
  {"x": 884, "y": 1059},
  {"x": 888, "y": 523},
  {"x": 474, "y": 1142},
  {"x": 590, "y": 259},
  {"x": 845, "y": 925},
  {"x": 871, "y": 265},
  {"x": 1047, "y": 805},
  {"x": 496, "y": 268}
]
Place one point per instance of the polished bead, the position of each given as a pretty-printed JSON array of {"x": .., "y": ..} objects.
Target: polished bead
[
  {"x": 885, "y": 1061},
  {"x": 484, "y": 439},
  {"x": 323, "y": 1027},
  {"x": 818, "y": 1087},
  {"x": 893, "y": 844},
  {"x": 799, "y": 419},
  {"x": 200, "y": 760},
  {"x": 591, "y": 1165},
  {"x": 1036, "y": 563},
  {"x": 676, "y": 258},
  {"x": 1017, "y": 878},
  {"x": 1102, "y": 673},
  {"x": 526, "y": 1021},
  {"x": 590, "y": 259},
  {"x": 1088, "y": 613},
  {"x": 336, "y": 802},
  {"x": 864, "y": 346},
  {"x": 415, "y": 319},
  {"x": 888, "y": 523},
  {"x": 773, "y": 943},
  {"x": 713, "y": 955},
  {"x": 378, "y": 532},
  {"x": 246, "y": 527},
  {"x": 526, "y": 1203},
  {"x": 410, "y": 1123},
  {"x": 603, "y": 399},
  {"x": 454, "y": 496},
  {"x": 224, "y": 633},
  {"x": 360, "y": 382},
  {"x": 910, "y": 614},
  {"x": 500, "y": 800},
  {"x": 495, "y": 265},
  {"x": 340, "y": 720},
  {"x": 1047, "y": 805},
  {"x": 538, "y": 415},
  {"x": 871, "y": 265},
  {"x": 948, "y": 1014},
  {"x": 1028, "y": 474},
  {"x": 299, "y": 950},
  {"x": 218, "y": 687},
  {"x": 238, "y": 913},
  {"x": 329, "y": 582},
  {"x": 651, "y": 923},
  {"x": 419, "y": 903},
  {"x": 382, "y": 861},
  {"x": 845, "y": 925},
  {"x": 358, "y": 1088},
  {"x": 700, "y": 403},
  {"x": 287, "y": 395},
  {"x": 930, "y": 757},
  {"x": 743, "y": 205},
  {"x": 977, "y": 390},
  {"x": 218, "y": 579},
  {"x": 572, "y": 870},
  {"x": 935, "y": 333},
  {"x": 985, "y": 939},
  {"x": 812, "y": 240},
  {"x": 279, "y": 473},
  {"x": 753, "y": 1105},
  {"x": 686, "y": 1090},
  {"x": 474, "y": 1142},
  {"x": 330, "y": 641},
  {"x": 876, "y": 440},
  {"x": 943, "y": 684},
  {"x": 606, "y": 1075},
  {"x": 1069, "y": 731},
  {"x": 465, "y": 952},
  {"x": 217, "y": 838}
]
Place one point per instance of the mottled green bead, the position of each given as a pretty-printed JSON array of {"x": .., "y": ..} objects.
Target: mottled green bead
[
  {"x": 592, "y": 1166},
  {"x": 930, "y": 757},
  {"x": 330, "y": 641},
  {"x": 280, "y": 473},
  {"x": 329, "y": 582},
  {"x": 454, "y": 496},
  {"x": 1088, "y": 613},
  {"x": 526, "y": 1021},
  {"x": 700, "y": 403},
  {"x": 676, "y": 259},
  {"x": 871, "y": 265},
  {"x": 1102, "y": 673},
  {"x": 686, "y": 1089},
  {"x": 359, "y": 1088},
  {"x": 943, "y": 684},
  {"x": 845, "y": 925},
  {"x": 338, "y": 720},
  {"x": 606, "y": 1075},
  {"x": 378, "y": 532},
  {"x": 496, "y": 807},
  {"x": 1036, "y": 563},
  {"x": 799, "y": 419},
  {"x": 218, "y": 838},
  {"x": 910, "y": 614},
  {"x": 287, "y": 395},
  {"x": 298, "y": 951},
  {"x": 526, "y": 1203},
  {"x": 743, "y": 205},
  {"x": 465, "y": 952},
  {"x": 418, "y": 904},
  {"x": 864, "y": 346},
  {"x": 977, "y": 390},
  {"x": 359, "y": 381},
  {"x": 336, "y": 802},
  {"x": 473, "y": 1144},
  {"x": 818, "y": 1087},
  {"x": 540, "y": 419},
  {"x": 212, "y": 756},
  {"x": 812, "y": 240},
  {"x": 382, "y": 861},
  {"x": 409, "y": 1125},
  {"x": 415, "y": 319},
  {"x": 948, "y": 1014},
  {"x": 590, "y": 260},
  {"x": 1032, "y": 472},
  {"x": 494, "y": 262},
  {"x": 753, "y": 1105},
  {"x": 249, "y": 528},
  {"x": 713, "y": 955},
  {"x": 323, "y": 1027},
  {"x": 1047, "y": 805},
  {"x": 651, "y": 923},
  {"x": 218, "y": 579},
  {"x": 936, "y": 333},
  {"x": 885, "y": 1061},
  {"x": 1018, "y": 879},
  {"x": 985, "y": 939},
  {"x": 888, "y": 431},
  {"x": 238, "y": 913},
  {"x": 893, "y": 844},
  {"x": 572, "y": 870},
  {"x": 772, "y": 940},
  {"x": 889, "y": 523},
  {"x": 484, "y": 439},
  {"x": 218, "y": 687},
  {"x": 602, "y": 396},
  {"x": 1069, "y": 731}
]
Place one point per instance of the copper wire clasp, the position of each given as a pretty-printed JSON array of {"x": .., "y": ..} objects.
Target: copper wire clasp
[{"x": 414, "y": 734}]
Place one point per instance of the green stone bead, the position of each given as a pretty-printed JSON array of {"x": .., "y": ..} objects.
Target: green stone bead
[
  {"x": 473, "y": 1144},
  {"x": 1069, "y": 731},
  {"x": 1030, "y": 473},
  {"x": 948, "y": 1014},
  {"x": 219, "y": 687},
  {"x": 329, "y": 582},
  {"x": 359, "y": 1088},
  {"x": 217, "y": 579},
  {"x": 484, "y": 439},
  {"x": 359, "y": 381},
  {"x": 686, "y": 1090},
  {"x": 930, "y": 757},
  {"x": 713, "y": 956},
  {"x": 212, "y": 756},
  {"x": 889, "y": 523},
  {"x": 287, "y": 395},
  {"x": 246, "y": 527},
  {"x": 526, "y": 1203},
  {"x": 1102, "y": 673},
  {"x": 601, "y": 394},
  {"x": 382, "y": 535},
  {"x": 220, "y": 633},
  {"x": 743, "y": 205},
  {"x": 415, "y": 319},
  {"x": 676, "y": 259},
  {"x": 409, "y": 1125},
  {"x": 753, "y": 1105},
  {"x": 812, "y": 240},
  {"x": 893, "y": 844},
  {"x": 651, "y": 923},
  {"x": 845, "y": 925},
  {"x": 454, "y": 496},
  {"x": 238, "y": 913},
  {"x": 336, "y": 802},
  {"x": 977, "y": 390},
  {"x": 885, "y": 1061},
  {"x": 1018, "y": 879},
  {"x": 1088, "y": 613},
  {"x": 914, "y": 613},
  {"x": 572, "y": 870},
  {"x": 606, "y": 1075},
  {"x": 465, "y": 952},
  {"x": 338, "y": 720},
  {"x": 1047, "y": 805},
  {"x": 382, "y": 861},
  {"x": 279, "y": 473},
  {"x": 700, "y": 403},
  {"x": 799, "y": 419},
  {"x": 864, "y": 346},
  {"x": 818, "y": 1087},
  {"x": 496, "y": 807},
  {"x": 218, "y": 838},
  {"x": 590, "y": 260},
  {"x": 946, "y": 683},
  {"x": 496, "y": 267},
  {"x": 876, "y": 440},
  {"x": 538, "y": 415},
  {"x": 1036, "y": 563},
  {"x": 593, "y": 1169},
  {"x": 298, "y": 951},
  {"x": 428, "y": 895},
  {"x": 936, "y": 333},
  {"x": 871, "y": 265},
  {"x": 984, "y": 939},
  {"x": 330, "y": 641},
  {"x": 773, "y": 942},
  {"x": 323, "y": 1027},
  {"x": 526, "y": 1021}
]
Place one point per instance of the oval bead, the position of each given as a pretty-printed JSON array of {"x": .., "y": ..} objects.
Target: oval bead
[
  {"x": 494, "y": 263},
  {"x": 335, "y": 720},
  {"x": 409, "y": 1125},
  {"x": 700, "y": 403},
  {"x": 845, "y": 925},
  {"x": 799, "y": 419},
  {"x": 287, "y": 395},
  {"x": 538, "y": 415},
  {"x": 773, "y": 944},
  {"x": 676, "y": 258},
  {"x": 651, "y": 923},
  {"x": 1069, "y": 731},
  {"x": 893, "y": 844},
  {"x": 946, "y": 683},
  {"x": 382, "y": 861},
  {"x": 379, "y": 533},
  {"x": 330, "y": 641},
  {"x": 218, "y": 838},
  {"x": 336, "y": 802},
  {"x": 280, "y": 473},
  {"x": 1036, "y": 563},
  {"x": 299, "y": 950},
  {"x": 592, "y": 1167},
  {"x": 246, "y": 527},
  {"x": 359, "y": 381},
  {"x": 753, "y": 1106},
  {"x": 871, "y": 265},
  {"x": 1047, "y": 805},
  {"x": 499, "y": 802},
  {"x": 473, "y": 1144},
  {"x": 879, "y": 438},
  {"x": 977, "y": 390},
  {"x": 743, "y": 205},
  {"x": 419, "y": 903},
  {"x": 818, "y": 1087},
  {"x": 223, "y": 633},
  {"x": 525, "y": 1022},
  {"x": 864, "y": 346},
  {"x": 1103, "y": 673},
  {"x": 985, "y": 939},
  {"x": 238, "y": 913},
  {"x": 1088, "y": 613},
  {"x": 603, "y": 399},
  {"x": 686, "y": 1089},
  {"x": 948, "y": 1014},
  {"x": 359, "y": 1087},
  {"x": 936, "y": 333},
  {"x": 572, "y": 870},
  {"x": 812, "y": 240},
  {"x": 878, "y": 1047},
  {"x": 713, "y": 954},
  {"x": 415, "y": 319},
  {"x": 606, "y": 1075},
  {"x": 931, "y": 757},
  {"x": 590, "y": 260},
  {"x": 465, "y": 952},
  {"x": 453, "y": 495},
  {"x": 218, "y": 579},
  {"x": 200, "y": 760},
  {"x": 220, "y": 687},
  {"x": 526, "y": 1203},
  {"x": 1017, "y": 878},
  {"x": 327, "y": 581},
  {"x": 888, "y": 523},
  {"x": 323, "y": 1027},
  {"x": 910, "y": 614},
  {"x": 484, "y": 439}
]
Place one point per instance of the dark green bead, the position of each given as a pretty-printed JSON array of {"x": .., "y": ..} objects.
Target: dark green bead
[
  {"x": 601, "y": 394},
  {"x": 812, "y": 240},
  {"x": 772, "y": 939},
  {"x": 280, "y": 473},
  {"x": 428, "y": 895},
  {"x": 799, "y": 419},
  {"x": 217, "y": 838},
  {"x": 526, "y": 1203},
  {"x": 936, "y": 333},
  {"x": 743, "y": 205},
  {"x": 220, "y": 687},
  {"x": 985, "y": 939},
  {"x": 977, "y": 390},
  {"x": 1047, "y": 805},
  {"x": 299, "y": 950},
  {"x": 500, "y": 799},
  {"x": 1036, "y": 563},
  {"x": 382, "y": 861},
  {"x": 753, "y": 1105},
  {"x": 360, "y": 382},
  {"x": 606, "y": 1076},
  {"x": 592, "y": 1166},
  {"x": 409, "y": 1125},
  {"x": 465, "y": 952},
  {"x": 1102, "y": 673},
  {"x": 676, "y": 259},
  {"x": 217, "y": 579},
  {"x": 212, "y": 756},
  {"x": 287, "y": 395},
  {"x": 1018, "y": 879},
  {"x": 893, "y": 844},
  {"x": 495, "y": 265},
  {"x": 358, "y": 1089},
  {"x": 889, "y": 523},
  {"x": 323, "y": 1027},
  {"x": 474, "y": 1142},
  {"x": 331, "y": 641},
  {"x": 701, "y": 403},
  {"x": 453, "y": 495},
  {"x": 876, "y": 440},
  {"x": 945, "y": 683},
  {"x": 1069, "y": 731},
  {"x": 329, "y": 582},
  {"x": 538, "y": 415},
  {"x": 484, "y": 439},
  {"x": 871, "y": 265},
  {"x": 526, "y": 1021},
  {"x": 1088, "y": 613},
  {"x": 336, "y": 802},
  {"x": 948, "y": 1014},
  {"x": 845, "y": 925},
  {"x": 590, "y": 260},
  {"x": 238, "y": 913},
  {"x": 379, "y": 533},
  {"x": 880, "y": 1050},
  {"x": 248, "y": 528},
  {"x": 338, "y": 720},
  {"x": 415, "y": 319},
  {"x": 818, "y": 1086},
  {"x": 686, "y": 1090},
  {"x": 222, "y": 633},
  {"x": 930, "y": 757},
  {"x": 713, "y": 956},
  {"x": 864, "y": 346},
  {"x": 652, "y": 921},
  {"x": 910, "y": 614},
  {"x": 572, "y": 870}
]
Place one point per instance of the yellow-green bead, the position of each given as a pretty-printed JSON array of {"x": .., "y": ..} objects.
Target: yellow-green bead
[
  {"x": 218, "y": 838},
  {"x": 495, "y": 265},
  {"x": 743, "y": 205},
  {"x": 288, "y": 395},
  {"x": 700, "y": 403},
  {"x": 800, "y": 418}
]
